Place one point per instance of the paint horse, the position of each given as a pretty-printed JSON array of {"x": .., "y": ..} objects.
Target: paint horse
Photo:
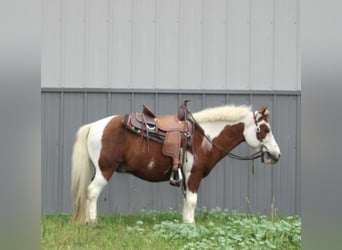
[{"x": 110, "y": 147}]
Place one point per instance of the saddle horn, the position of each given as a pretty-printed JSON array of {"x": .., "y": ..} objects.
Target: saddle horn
[{"x": 182, "y": 111}]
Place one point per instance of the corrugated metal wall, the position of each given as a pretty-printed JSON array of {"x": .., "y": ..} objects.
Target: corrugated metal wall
[
  {"x": 229, "y": 185},
  {"x": 109, "y": 56},
  {"x": 171, "y": 44}
]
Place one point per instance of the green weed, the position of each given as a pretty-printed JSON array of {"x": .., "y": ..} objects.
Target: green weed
[{"x": 215, "y": 229}]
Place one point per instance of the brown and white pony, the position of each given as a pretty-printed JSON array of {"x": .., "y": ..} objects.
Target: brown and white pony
[{"x": 110, "y": 148}]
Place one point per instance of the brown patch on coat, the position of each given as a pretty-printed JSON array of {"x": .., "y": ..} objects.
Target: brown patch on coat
[
  {"x": 205, "y": 161},
  {"x": 121, "y": 147}
]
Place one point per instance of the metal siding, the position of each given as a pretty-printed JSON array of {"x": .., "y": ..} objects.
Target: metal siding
[
  {"x": 230, "y": 185},
  {"x": 51, "y": 149},
  {"x": 287, "y": 55},
  {"x": 262, "y": 45},
  {"x": 242, "y": 45},
  {"x": 51, "y": 43},
  {"x": 191, "y": 45},
  {"x": 121, "y": 34},
  {"x": 97, "y": 37},
  {"x": 144, "y": 44},
  {"x": 168, "y": 38},
  {"x": 214, "y": 44},
  {"x": 285, "y": 176},
  {"x": 239, "y": 45},
  {"x": 260, "y": 189},
  {"x": 74, "y": 43}
]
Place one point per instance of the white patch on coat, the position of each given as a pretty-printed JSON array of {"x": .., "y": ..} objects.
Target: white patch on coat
[
  {"x": 189, "y": 160},
  {"x": 151, "y": 164},
  {"x": 189, "y": 206},
  {"x": 94, "y": 148},
  {"x": 190, "y": 200}
]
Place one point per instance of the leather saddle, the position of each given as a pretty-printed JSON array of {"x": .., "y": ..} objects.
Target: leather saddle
[{"x": 172, "y": 131}]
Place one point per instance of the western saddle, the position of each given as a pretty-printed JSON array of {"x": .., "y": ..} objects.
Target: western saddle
[{"x": 173, "y": 131}]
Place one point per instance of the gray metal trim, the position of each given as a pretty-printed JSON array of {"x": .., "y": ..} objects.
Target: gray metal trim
[{"x": 172, "y": 91}]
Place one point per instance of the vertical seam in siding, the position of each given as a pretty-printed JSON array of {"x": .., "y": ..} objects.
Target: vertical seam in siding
[
  {"x": 62, "y": 45},
  {"x": 251, "y": 51},
  {"x": 204, "y": 103},
  {"x": 44, "y": 168},
  {"x": 249, "y": 180},
  {"x": 204, "y": 45},
  {"x": 156, "y": 22},
  {"x": 227, "y": 98},
  {"x": 180, "y": 37},
  {"x": 298, "y": 73},
  {"x": 110, "y": 48},
  {"x": 226, "y": 47},
  {"x": 44, "y": 10},
  {"x": 274, "y": 128},
  {"x": 86, "y": 38},
  {"x": 228, "y": 57},
  {"x": 298, "y": 160},
  {"x": 109, "y": 103},
  {"x": 85, "y": 107},
  {"x": 275, "y": 42},
  {"x": 132, "y": 101},
  {"x": 61, "y": 153},
  {"x": 133, "y": 30},
  {"x": 156, "y": 101}
]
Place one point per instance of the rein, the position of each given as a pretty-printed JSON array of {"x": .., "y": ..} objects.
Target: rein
[{"x": 234, "y": 156}]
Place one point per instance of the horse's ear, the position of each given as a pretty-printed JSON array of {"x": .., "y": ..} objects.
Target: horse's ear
[
  {"x": 262, "y": 109},
  {"x": 264, "y": 112}
]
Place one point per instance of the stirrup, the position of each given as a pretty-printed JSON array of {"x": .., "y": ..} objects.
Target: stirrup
[{"x": 176, "y": 181}]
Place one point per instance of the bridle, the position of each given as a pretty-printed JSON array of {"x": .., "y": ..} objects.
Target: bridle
[{"x": 254, "y": 156}]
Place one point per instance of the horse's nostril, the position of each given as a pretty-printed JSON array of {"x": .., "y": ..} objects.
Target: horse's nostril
[{"x": 279, "y": 155}]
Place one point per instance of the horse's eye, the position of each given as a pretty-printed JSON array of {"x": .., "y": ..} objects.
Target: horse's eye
[{"x": 267, "y": 130}]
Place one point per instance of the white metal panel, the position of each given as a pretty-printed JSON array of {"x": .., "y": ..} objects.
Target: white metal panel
[
  {"x": 144, "y": 44},
  {"x": 287, "y": 65},
  {"x": 120, "y": 49},
  {"x": 187, "y": 44},
  {"x": 51, "y": 43},
  {"x": 239, "y": 50},
  {"x": 96, "y": 55},
  {"x": 215, "y": 44},
  {"x": 262, "y": 45},
  {"x": 74, "y": 42},
  {"x": 168, "y": 39},
  {"x": 191, "y": 62}
]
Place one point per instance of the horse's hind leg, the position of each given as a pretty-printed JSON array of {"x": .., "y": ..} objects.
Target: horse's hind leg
[
  {"x": 99, "y": 181},
  {"x": 93, "y": 192}
]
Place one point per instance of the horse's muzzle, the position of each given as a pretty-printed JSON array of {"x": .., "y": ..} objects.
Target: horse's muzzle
[{"x": 267, "y": 157}]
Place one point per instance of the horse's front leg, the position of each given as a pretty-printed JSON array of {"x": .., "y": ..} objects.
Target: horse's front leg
[{"x": 190, "y": 199}]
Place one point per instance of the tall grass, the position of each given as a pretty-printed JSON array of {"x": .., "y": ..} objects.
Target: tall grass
[{"x": 215, "y": 229}]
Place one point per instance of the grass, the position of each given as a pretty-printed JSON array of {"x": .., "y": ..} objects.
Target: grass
[{"x": 215, "y": 229}]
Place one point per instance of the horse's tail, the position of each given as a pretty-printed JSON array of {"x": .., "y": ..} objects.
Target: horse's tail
[{"x": 80, "y": 172}]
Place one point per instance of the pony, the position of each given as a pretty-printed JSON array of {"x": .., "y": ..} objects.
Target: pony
[{"x": 110, "y": 147}]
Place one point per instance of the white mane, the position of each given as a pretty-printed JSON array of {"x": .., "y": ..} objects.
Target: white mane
[{"x": 229, "y": 113}]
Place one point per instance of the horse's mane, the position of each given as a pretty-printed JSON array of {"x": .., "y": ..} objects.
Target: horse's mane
[{"x": 229, "y": 113}]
